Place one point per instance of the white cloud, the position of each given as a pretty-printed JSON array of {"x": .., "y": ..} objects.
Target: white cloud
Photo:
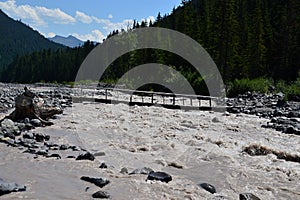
[
  {"x": 55, "y": 15},
  {"x": 150, "y": 18},
  {"x": 51, "y": 35},
  {"x": 110, "y": 26},
  {"x": 23, "y": 12},
  {"x": 110, "y": 16},
  {"x": 38, "y": 16},
  {"x": 35, "y": 14},
  {"x": 95, "y": 35},
  {"x": 100, "y": 21},
  {"x": 83, "y": 17}
]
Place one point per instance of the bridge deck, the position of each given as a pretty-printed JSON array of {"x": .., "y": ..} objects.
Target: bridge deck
[{"x": 147, "y": 98}]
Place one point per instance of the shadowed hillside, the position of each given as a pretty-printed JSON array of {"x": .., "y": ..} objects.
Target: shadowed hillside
[{"x": 18, "y": 39}]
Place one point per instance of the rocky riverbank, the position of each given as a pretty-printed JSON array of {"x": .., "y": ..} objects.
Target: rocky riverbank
[
  {"x": 284, "y": 116},
  {"x": 120, "y": 152}
]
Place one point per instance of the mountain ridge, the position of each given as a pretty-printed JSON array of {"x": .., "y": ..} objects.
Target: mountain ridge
[
  {"x": 18, "y": 39},
  {"x": 69, "y": 41}
]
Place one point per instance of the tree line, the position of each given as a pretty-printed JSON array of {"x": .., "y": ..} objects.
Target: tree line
[
  {"x": 246, "y": 39},
  {"x": 49, "y": 65}
]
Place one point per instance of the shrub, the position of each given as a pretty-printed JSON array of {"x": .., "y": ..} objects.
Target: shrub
[
  {"x": 244, "y": 85},
  {"x": 292, "y": 92}
]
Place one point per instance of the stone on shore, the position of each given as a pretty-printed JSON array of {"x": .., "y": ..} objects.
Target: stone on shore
[
  {"x": 248, "y": 196},
  {"x": 208, "y": 187},
  {"x": 144, "y": 170},
  {"x": 159, "y": 176},
  {"x": 6, "y": 188},
  {"x": 100, "y": 182},
  {"x": 101, "y": 195},
  {"x": 86, "y": 156}
]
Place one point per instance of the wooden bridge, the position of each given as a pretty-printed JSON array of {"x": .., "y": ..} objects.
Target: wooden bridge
[{"x": 148, "y": 98}]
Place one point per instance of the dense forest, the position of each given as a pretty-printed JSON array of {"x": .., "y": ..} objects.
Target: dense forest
[
  {"x": 19, "y": 39},
  {"x": 247, "y": 39},
  {"x": 49, "y": 65}
]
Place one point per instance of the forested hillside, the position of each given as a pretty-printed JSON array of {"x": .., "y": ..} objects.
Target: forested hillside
[
  {"x": 19, "y": 39},
  {"x": 246, "y": 39},
  {"x": 59, "y": 65}
]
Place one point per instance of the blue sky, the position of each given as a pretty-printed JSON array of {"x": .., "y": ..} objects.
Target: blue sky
[{"x": 85, "y": 19}]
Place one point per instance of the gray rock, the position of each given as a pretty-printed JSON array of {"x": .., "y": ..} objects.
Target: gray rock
[
  {"x": 26, "y": 120},
  {"x": 103, "y": 166},
  {"x": 6, "y": 188},
  {"x": 29, "y": 126},
  {"x": 9, "y": 134},
  {"x": 28, "y": 135},
  {"x": 7, "y": 123},
  {"x": 278, "y": 113},
  {"x": 41, "y": 137},
  {"x": 248, "y": 196},
  {"x": 101, "y": 195},
  {"x": 30, "y": 150},
  {"x": 21, "y": 126},
  {"x": 55, "y": 155},
  {"x": 124, "y": 170},
  {"x": 11, "y": 142},
  {"x": 86, "y": 156},
  {"x": 220, "y": 197},
  {"x": 280, "y": 94},
  {"x": 74, "y": 148},
  {"x": 36, "y": 122},
  {"x": 216, "y": 120},
  {"x": 208, "y": 187},
  {"x": 159, "y": 176},
  {"x": 99, "y": 154},
  {"x": 259, "y": 105},
  {"x": 63, "y": 147},
  {"x": 100, "y": 182},
  {"x": 8, "y": 126},
  {"x": 294, "y": 114},
  {"x": 144, "y": 170},
  {"x": 42, "y": 152},
  {"x": 226, "y": 113},
  {"x": 70, "y": 156}
]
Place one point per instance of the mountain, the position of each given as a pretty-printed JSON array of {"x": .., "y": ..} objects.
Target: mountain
[
  {"x": 18, "y": 39},
  {"x": 247, "y": 40},
  {"x": 69, "y": 41}
]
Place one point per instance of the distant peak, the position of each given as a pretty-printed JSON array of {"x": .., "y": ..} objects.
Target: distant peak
[{"x": 69, "y": 41}]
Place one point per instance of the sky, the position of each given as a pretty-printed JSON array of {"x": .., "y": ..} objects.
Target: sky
[{"x": 84, "y": 19}]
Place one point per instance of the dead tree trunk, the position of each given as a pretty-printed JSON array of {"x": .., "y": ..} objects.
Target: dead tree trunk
[{"x": 26, "y": 107}]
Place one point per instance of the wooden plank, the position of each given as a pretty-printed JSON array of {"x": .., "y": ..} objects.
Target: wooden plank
[
  {"x": 162, "y": 94},
  {"x": 131, "y": 103},
  {"x": 132, "y": 97}
]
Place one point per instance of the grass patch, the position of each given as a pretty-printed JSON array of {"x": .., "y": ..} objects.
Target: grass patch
[
  {"x": 292, "y": 91},
  {"x": 262, "y": 85},
  {"x": 241, "y": 86}
]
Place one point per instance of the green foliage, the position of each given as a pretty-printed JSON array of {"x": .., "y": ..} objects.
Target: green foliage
[
  {"x": 199, "y": 86},
  {"x": 247, "y": 39},
  {"x": 241, "y": 86},
  {"x": 18, "y": 39},
  {"x": 70, "y": 83},
  {"x": 47, "y": 65},
  {"x": 86, "y": 82},
  {"x": 292, "y": 91}
]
